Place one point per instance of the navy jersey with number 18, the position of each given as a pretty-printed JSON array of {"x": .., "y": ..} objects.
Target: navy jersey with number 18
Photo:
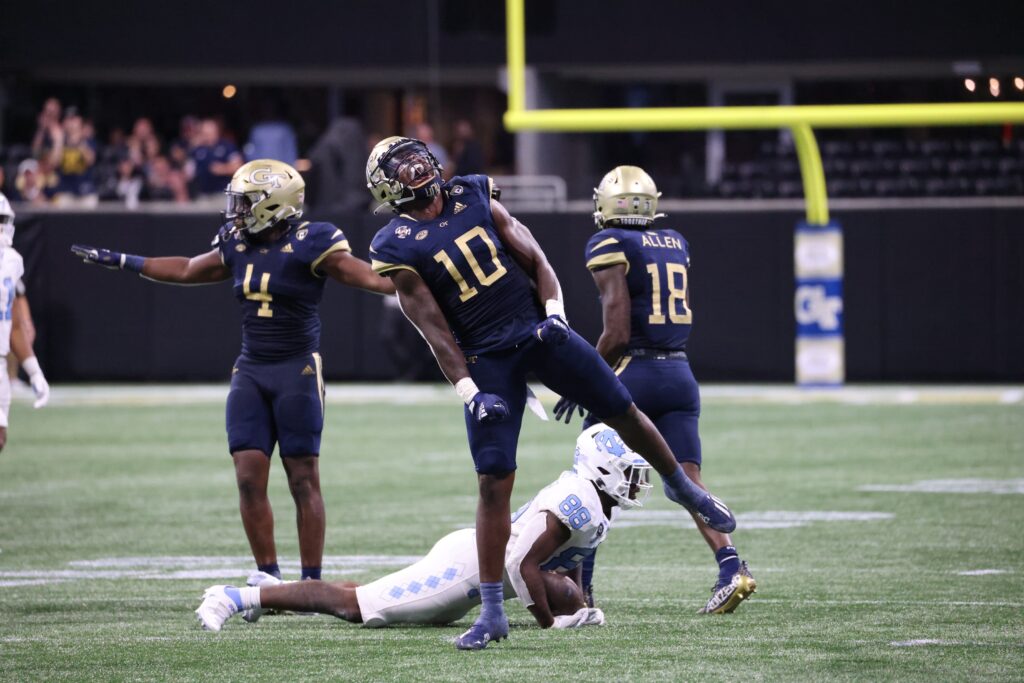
[{"x": 657, "y": 264}]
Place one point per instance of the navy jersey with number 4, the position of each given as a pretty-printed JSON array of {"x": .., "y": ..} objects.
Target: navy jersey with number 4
[
  {"x": 487, "y": 299},
  {"x": 280, "y": 288},
  {"x": 656, "y": 263}
]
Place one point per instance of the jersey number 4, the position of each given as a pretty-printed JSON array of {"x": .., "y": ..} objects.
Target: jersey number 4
[
  {"x": 675, "y": 278},
  {"x": 466, "y": 292},
  {"x": 262, "y": 296}
]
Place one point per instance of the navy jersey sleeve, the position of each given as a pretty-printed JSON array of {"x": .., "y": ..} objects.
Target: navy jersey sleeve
[
  {"x": 606, "y": 249},
  {"x": 317, "y": 241},
  {"x": 225, "y": 242},
  {"x": 389, "y": 253}
]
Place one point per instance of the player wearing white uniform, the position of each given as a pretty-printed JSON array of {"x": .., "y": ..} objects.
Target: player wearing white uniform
[
  {"x": 12, "y": 332},
  {"x": 551, "y": 534}
]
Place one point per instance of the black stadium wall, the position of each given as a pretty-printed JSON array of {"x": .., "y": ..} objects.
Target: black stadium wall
[{"x": 931, "y": 295}]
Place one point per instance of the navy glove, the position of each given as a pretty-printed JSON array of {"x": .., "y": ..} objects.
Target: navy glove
[
  {"x": 114, "y": 260},
  {"x": 565, "y": 408},
  {"x": 553, "y": 330},
  {"x": 488, "y": 408}
]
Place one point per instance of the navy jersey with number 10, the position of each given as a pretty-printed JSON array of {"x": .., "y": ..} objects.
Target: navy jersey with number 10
[
  {"x": 487, "y": 299},
  {"x": 657, "y": 264}
]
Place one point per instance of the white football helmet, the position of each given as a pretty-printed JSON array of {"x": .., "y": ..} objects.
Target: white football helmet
[
  {"x": 626, "y": 196},
  {"x": 263, "y": 192},
  {"x": 6, "y": 222},
  {"x": 603, "y": 458},
  {"x": 402, "y": 170}
]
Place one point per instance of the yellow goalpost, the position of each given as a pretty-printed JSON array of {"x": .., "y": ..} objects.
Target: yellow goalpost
[{"x": 820, "y": 354}]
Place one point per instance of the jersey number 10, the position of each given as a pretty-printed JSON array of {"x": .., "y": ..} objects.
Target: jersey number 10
[
  {"x": 466, "y": 292},
  {"x": 675, "y": 278}
]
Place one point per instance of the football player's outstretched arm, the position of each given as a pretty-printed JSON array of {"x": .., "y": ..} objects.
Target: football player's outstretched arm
[
  {"x": 420, "y": 307},
  {"x": 355, "y": 272},
  {"x": 181, "y": 270},
  {"x": 535, "y": 544},
  {"x": 521, "y": 244},
  {"x": 198, "y": 270},
  {"x": 615, "y": 305}
]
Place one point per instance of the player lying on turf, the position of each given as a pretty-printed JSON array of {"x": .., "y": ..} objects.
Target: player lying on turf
[{"x": 551, "y": 535}]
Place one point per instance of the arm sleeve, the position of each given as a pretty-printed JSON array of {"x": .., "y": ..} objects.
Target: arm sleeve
[
  {"x": 605, "y": 249},
  {"x": 323, "y": 240},
  {"x": 387, "y": 254}
]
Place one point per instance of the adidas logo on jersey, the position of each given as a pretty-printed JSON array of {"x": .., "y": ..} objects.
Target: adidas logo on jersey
[
  {"x": 307, "y": 371},
  {"x": 459, "y": 206},
  {"x": 287, "y": 249}
]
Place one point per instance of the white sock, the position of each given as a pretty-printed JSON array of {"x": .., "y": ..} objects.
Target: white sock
[{"x": 250, "y": 596}]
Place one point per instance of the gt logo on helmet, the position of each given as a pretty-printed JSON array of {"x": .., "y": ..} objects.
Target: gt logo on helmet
[{"x": 265, "y": 176}]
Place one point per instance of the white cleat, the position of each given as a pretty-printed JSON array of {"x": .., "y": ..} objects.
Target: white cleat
[
  {"x": 258, "y": 578},
  {"x": 217, "y": 607}
]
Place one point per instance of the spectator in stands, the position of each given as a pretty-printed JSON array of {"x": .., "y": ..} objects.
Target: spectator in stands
[
  {"x": 469, "y": 156},
  {"x": 273, "y": 137},
  {"x": 36, "y": 182},
  {"x": 181, "y": 148},
  {"x": 337, "y": 180},
  {"x": 143, "y": 144},
  {"x": 48, "y": 127},
  {"x": 164, "y": 182},
  {"x": 425, "y": 132},
  {"x": 73, "y": 155},
  {"x": 214, "y": 159}
]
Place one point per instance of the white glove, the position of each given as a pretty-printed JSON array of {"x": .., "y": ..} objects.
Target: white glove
[
  {"x": 572, "y": 620},
  {"x": 39, "y": 384},
  {"x": 585, "y": 616}
]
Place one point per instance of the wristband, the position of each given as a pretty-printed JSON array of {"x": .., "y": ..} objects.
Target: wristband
[
  {"x": 132, "y": 262},
  {"x": 554, "y": 307},
  {"x": 31, "y": 366},
  {"x": 466, "y": 389}
]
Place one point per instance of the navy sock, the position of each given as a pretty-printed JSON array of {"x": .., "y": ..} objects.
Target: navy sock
[
  {"x": 728, "y": 562},
  {"x": 311, "y": 573},
  {"x": 588, "y": 570},
  {"x": 685, "y": 491},
  {"x": 492, "y": 596},
  {"x": 271, "y": 569}
]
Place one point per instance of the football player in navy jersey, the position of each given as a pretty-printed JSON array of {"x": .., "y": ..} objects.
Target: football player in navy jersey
[
  {"x": 642, "y": 275},
  {"x": 480, "y": 290},
  {"x": 278, "y": 264}
]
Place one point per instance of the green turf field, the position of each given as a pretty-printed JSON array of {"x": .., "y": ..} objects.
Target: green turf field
[{"x": 886, "y": 539}]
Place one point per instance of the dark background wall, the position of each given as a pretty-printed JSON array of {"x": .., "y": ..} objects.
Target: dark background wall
[
  {"x": 367, "y": 33},
  {"x": 931, "y": 295}
]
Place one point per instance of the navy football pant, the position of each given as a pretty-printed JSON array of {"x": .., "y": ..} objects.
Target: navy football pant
[
  {"x": 573, "y": 369},
  {"x": 667, "y": 392},
  {"x": 280, "y": 402}
]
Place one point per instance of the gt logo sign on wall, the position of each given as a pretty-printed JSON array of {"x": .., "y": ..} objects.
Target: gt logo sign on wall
[{"x": 820, "y": 350}]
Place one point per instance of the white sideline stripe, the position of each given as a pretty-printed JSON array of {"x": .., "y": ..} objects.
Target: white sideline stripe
[
  {"x": 994, "y": 486},
  {"x": 799, "y": 601},
  {"x": 185, "y": 567},
  {"x": 440, "y": 393},
  {"x": 925, "y": 641},
  {"x": 983, "y": 572},
  {"x": 769, "y": 519}
]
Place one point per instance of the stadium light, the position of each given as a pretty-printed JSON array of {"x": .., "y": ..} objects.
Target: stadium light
[
  {"x": 229, "y": 91},
  {"x": 969, "y": 84},
  {"x": 993, "y": 86},
  {"x": 1018, "y": 83}
]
